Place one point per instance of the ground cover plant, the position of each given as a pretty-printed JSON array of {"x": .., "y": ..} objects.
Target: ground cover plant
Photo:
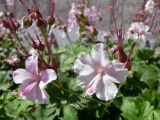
[{"x": 112, "y": 77}]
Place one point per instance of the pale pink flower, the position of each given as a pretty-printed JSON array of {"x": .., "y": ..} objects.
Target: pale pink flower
[
  {"x": 12, "y": 60},
  {"x": 93, "y": 14},
  {"x": 72, "y": 20},
  {"x": 139, "y": 27},
  {"x": 138, "y": 31},
  {"x": 33, "y": 81},
  {"x": 97, "y": 74}
]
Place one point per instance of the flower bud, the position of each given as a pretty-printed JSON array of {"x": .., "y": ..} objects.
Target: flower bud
[
  {"x": 41, "y": 23},
  {"x": 35, "y": 15},
  {"x": 54, "y": 64},
  {"x": 27, "y": 21},
  {"x": 50, "y": 20},
  {"x": 38, "y": 44},
  {"x": 42, "y": 65},
  {"x": 11, "y": 24},
  {"x": 12, "y": 60},
  {"x": 7, "y": 24}
]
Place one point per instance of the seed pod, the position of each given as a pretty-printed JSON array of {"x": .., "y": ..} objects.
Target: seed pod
[
  {"x": 54, "y": 63},
  {"x": 121, "y": 56},
  {"x": 128, "y": 65}
]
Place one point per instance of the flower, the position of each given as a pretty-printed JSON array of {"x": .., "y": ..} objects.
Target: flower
[
  {"x": 32, "y": 81},
  {"x": 97, "y": 74},
  {"x": 12, "y": 60},
  {"x": 72, "y": 20},
  {"x": 139, "y": 27},
  {"x": 149, "y": 6},
  {"x": 93, "y": 14},
  {"x": 138, "y": 30}
]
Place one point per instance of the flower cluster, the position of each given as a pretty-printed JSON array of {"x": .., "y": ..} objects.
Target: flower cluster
[
  {"x": 79, "y": 11},
  {"x": 142, "y": 29},
  {"x": 138, "y": 31}
]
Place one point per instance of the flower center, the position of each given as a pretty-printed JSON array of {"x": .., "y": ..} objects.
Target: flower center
[{"x": 101, "y": 70}]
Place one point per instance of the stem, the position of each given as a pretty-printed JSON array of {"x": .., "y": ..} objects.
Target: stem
[
  {"x": 67, "y": 35},
  {"x": 50, "y": 53},
  {"x": 19, "y": 41},
  {"x": 41, "y": 58},
  {"x": 131, "y": 51}
]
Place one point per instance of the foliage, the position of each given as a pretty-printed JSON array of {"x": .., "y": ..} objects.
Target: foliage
[{"x": 138, "y": 97}]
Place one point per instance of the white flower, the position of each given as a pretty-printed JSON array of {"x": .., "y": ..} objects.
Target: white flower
[
  {"x": 139, "y": 27},
  {"x": 138, "y": 31},
  {"x": 149, "y": 6},
  {"x": 97, "y": 74}
]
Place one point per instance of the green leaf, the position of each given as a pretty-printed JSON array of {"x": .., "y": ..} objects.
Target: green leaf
[
  {"x": 134, "y": 109},
  {"x": 69, "y": 113},
  {"x": 4, "y": 80},
  {"x": 43, "y": 112},
  {"x": 156, "y": 114},
  {"x": 72, "y": 85},
  {"x": 145, "y": 54},
  {"x": 151, "y": 76},
  {"x": 14, "y": 107}
]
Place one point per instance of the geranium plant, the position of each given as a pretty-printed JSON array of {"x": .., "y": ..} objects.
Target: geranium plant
[{"x": 114, "y": 77}]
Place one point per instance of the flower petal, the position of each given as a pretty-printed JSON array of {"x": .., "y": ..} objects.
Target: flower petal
[
  {"x": 31, "y": 64},
  {"x": 28, "y": 87},
  {"x": 83, "y": 65},
  {"x": 92, "y": 86},
  {"x": 83, "y": 81},
  {"x": 106, "y": 89},
  {"x": 47, "y": 76},
  {"x": 98, "y": 55},
  {"x": 117, "y": 72},
  {"x": 20, "y": 75},
  {"x": 117, "y": 64},
  {"x": 41, "y": 96},
  {"x": 28, "y": 90}
]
